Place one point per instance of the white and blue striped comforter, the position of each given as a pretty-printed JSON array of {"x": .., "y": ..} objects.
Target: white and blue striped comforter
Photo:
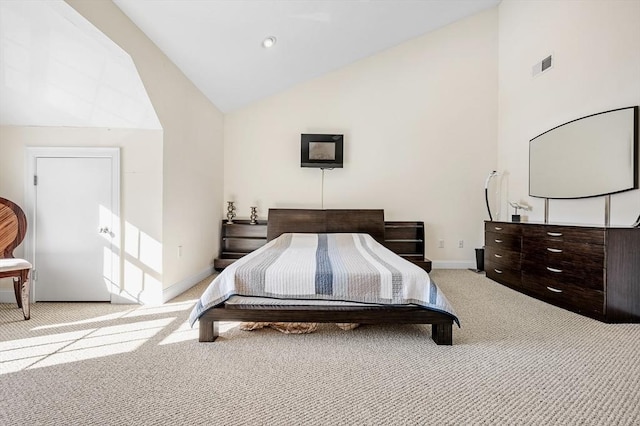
[{"x": 340, "y": 267}]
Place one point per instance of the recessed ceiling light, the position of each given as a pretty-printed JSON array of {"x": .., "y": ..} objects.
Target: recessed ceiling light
[{"x": 268, "y": 42}]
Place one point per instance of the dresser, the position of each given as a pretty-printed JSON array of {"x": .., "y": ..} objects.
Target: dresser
[{"x": 593, "y": 271}]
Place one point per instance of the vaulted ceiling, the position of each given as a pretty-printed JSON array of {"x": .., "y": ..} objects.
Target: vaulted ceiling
[{"x": 218, "y": 44}]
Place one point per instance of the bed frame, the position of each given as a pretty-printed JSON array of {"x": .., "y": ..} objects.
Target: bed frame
[{"x": 327, "y": 221}]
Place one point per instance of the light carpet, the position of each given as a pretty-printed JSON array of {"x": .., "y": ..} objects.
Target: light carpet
[{"x": 515, "y": 361}]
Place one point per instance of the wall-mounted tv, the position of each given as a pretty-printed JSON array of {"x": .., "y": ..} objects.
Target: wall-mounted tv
[
  {"x": 321, "y": 150},
  {"x": 587, "y": 157}
]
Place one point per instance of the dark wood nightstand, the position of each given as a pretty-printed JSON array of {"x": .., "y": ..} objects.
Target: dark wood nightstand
[
  {"x": 239, "y": 239},
  {"x": 406, "y": 239}
]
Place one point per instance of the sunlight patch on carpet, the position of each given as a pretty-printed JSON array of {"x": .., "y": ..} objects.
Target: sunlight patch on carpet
[{"x": 16, "y": 355}]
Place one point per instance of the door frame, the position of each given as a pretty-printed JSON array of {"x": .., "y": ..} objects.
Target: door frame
[{"x": 31, "y": 156}]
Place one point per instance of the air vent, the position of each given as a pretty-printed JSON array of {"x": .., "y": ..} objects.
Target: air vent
[{"x": 542, "y": 66}]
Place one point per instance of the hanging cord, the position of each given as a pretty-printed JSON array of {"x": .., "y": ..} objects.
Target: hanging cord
[{"x": 322, "y": 187}]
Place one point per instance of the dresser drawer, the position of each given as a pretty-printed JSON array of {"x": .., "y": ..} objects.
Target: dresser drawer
[
  {"x": 504, "y": 275},
  {"x": 565, "y": 233},
  {"x": 499, "y": 256},
  {"x": 560, "y": 273},
  {"x": 503, "y": 242},
  {"x": 577, "y": 299},
  {"x": 563, "y": 252},
  {"x": 503, "y": 228}
]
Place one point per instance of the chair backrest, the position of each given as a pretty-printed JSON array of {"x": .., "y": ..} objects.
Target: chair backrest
[{"x": 13, "y": 227}]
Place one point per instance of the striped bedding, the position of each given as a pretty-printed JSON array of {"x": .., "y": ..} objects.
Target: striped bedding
[{"x": 339, "y": 267}]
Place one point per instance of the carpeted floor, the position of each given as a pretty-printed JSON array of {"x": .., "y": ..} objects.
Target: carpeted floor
[{"x": 514, "y": 361}]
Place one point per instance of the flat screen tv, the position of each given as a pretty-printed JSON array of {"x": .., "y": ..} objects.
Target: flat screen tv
[
  {"x": 321, "y": 151},
  {"x": 587, "y": 157}
]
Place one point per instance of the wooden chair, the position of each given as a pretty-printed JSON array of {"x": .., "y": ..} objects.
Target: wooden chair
[{"x": 13, "y": 227}]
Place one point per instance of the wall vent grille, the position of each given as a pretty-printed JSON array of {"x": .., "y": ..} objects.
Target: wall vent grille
[{"x": 542, "y": 66}]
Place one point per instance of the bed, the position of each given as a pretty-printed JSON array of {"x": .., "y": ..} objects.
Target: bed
[{"x": 326, "y": 249}]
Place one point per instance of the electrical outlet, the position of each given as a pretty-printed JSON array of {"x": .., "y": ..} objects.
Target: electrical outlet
[
  {"x": 461, "y": 244},
  {"x": 179, "y": 251},
  {"x": 440, "y": 243}
]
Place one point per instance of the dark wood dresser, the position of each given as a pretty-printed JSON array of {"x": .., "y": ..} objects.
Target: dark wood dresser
[
  {"x": 593, "y": 271},
  {"x": 406, "y": 239}
]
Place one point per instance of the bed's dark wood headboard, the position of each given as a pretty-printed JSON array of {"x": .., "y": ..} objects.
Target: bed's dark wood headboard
[{"x": 281, "y": 221}]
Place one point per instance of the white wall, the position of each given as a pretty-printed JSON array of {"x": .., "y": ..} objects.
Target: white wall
[
  {"x": 141, "y": 184},
  {"x": 420, "y": 137},
  {"x": 596, "y": 49},
  {"x": 193, "y": 150}
]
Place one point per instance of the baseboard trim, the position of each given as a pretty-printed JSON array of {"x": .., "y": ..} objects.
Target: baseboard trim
[
  {"x": 154, "y": 296},
  {"x": 453, "y": 264},
  {"x": 185, "y": 284}
]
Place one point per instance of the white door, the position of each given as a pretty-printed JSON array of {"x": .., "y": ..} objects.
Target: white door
[{"x": 73, "y": 232}]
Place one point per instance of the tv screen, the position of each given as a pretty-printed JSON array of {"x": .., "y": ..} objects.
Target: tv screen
[
  {"x": 588, "y": 157},
  {"x": 321, "y": 150}
]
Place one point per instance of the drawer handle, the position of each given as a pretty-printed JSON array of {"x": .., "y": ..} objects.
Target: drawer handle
[
  {"x": 554, "y": 270},
  {"x": 554, "y": 234},
  {"x": 498, "y": 255},
  {"x": 554, "y": 250},
  {"x": 497, "y": 228},
  {"x": 498, "y": 271},
  {"x": 555, "y": 290},
  {"x": 498, "y": 241}
]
